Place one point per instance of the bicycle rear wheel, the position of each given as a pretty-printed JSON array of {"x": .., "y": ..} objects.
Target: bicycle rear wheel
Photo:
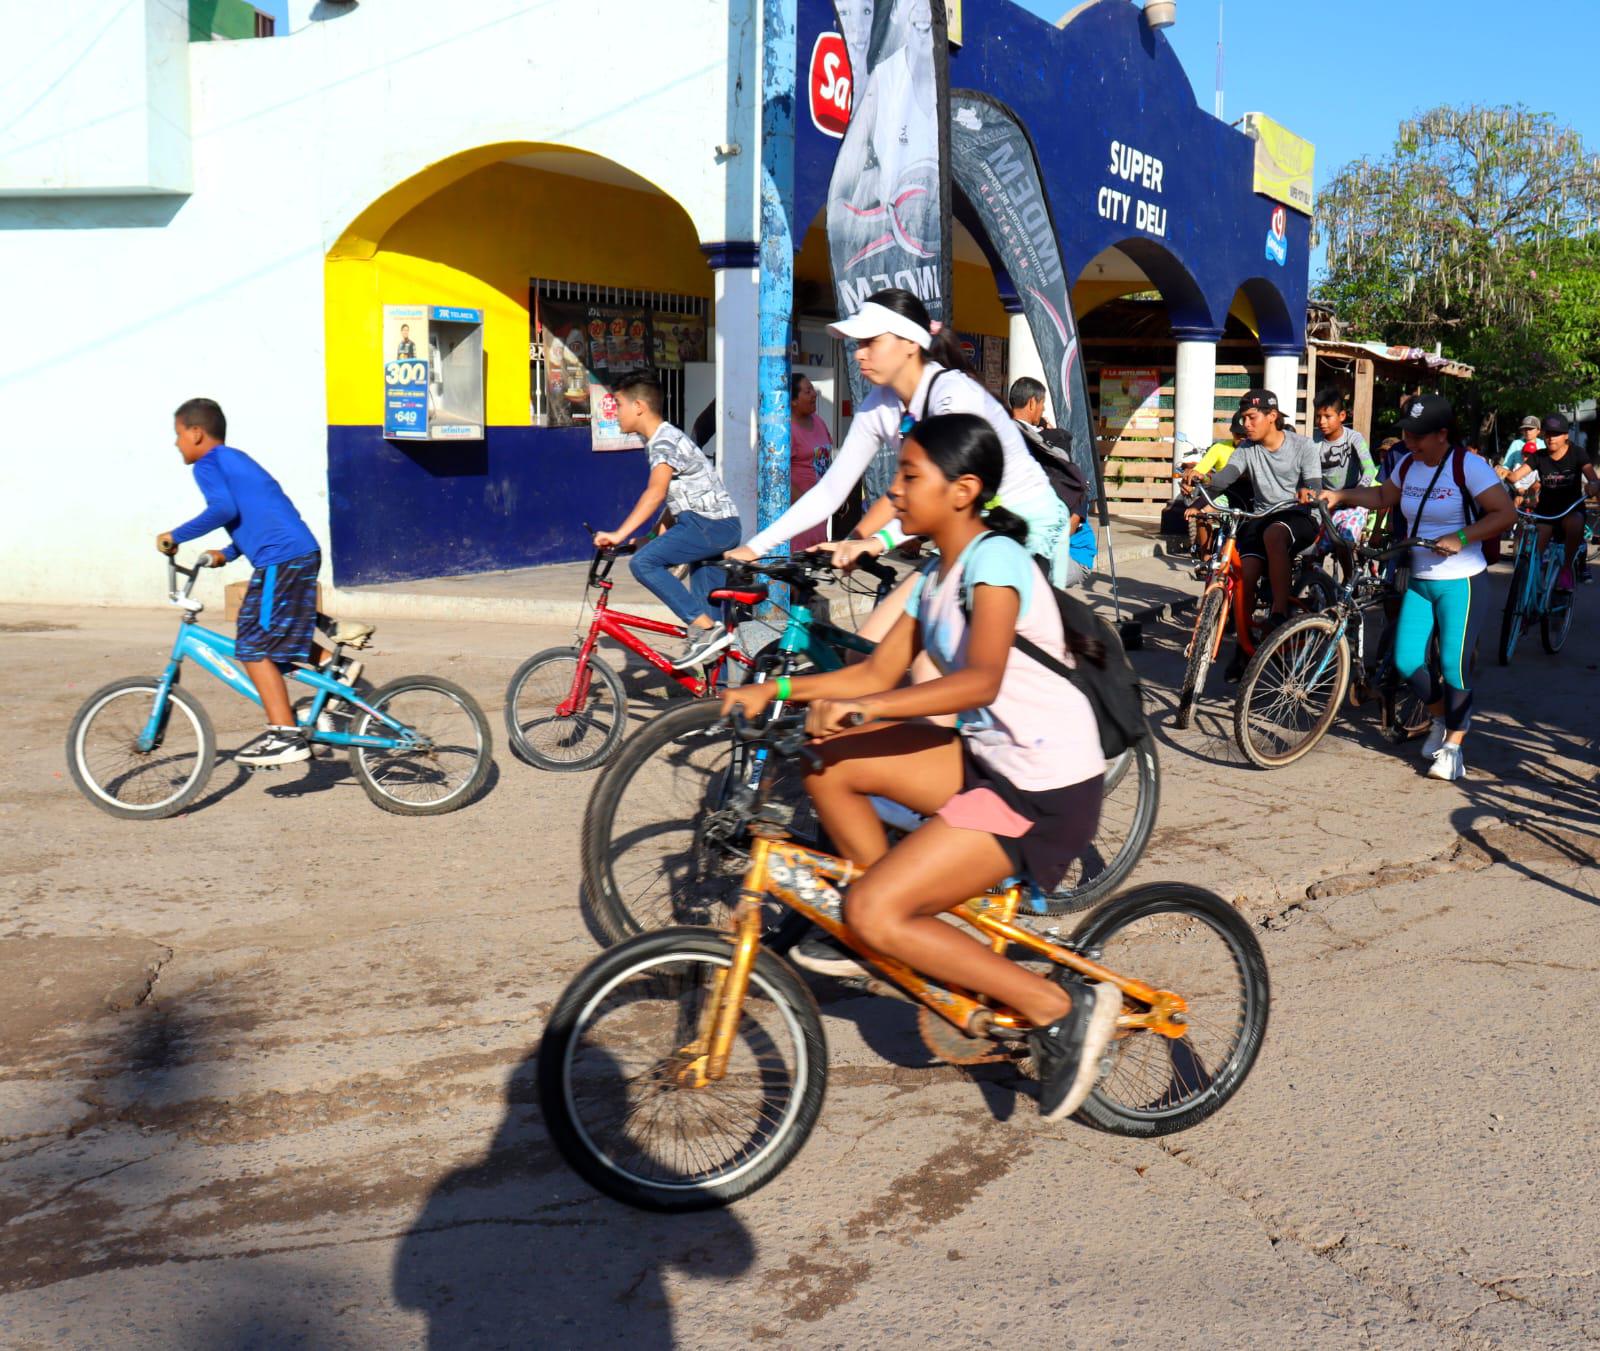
[
  {"x": 1516, "y": 598},
  {"x": 1291, "y": 690},
  {"x": 587, "y": 736},
  {"x": 1201, "y": 646},
  {"x": 616, "y": 1085},
  {"x": 653, "y": 853},
  {"x": 1127, "y": 816},
  {"x": 1182, "y": 938},
  {"x": 113, "y": 773},
  {"x": 449, "y": 760}
]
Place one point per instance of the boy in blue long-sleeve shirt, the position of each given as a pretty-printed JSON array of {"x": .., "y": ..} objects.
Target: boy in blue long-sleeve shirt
[{"x": 279, "y": 611}]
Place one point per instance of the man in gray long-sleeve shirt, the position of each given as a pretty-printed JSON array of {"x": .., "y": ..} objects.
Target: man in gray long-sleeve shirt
[{"x": 1285, "y": 469}]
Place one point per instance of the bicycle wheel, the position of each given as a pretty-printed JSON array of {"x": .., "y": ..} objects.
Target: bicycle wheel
[
  {"x": 1127, "y": 816},
  {"x": 615, "y": 1057},
  {"x": 1206, "y": 629},
  {"x": 652, "y": 832},
  {"x": 449, "y": 760},
  {"x": 1291, "y": 690},
  {"x": 1511, "y": 619},
  {"x": 587, "y": 736},
  {"x": 1556, "y": 621},
  {"x": 137, "y": 785},
  {"x": 1315, "y": 590},
  {"x": 1183, "y": 938}
]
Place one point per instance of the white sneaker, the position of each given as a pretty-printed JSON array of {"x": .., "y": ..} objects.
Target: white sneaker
[
  {"x": 325, "y": 723},
  {"x": 1449, "y": 764},
  {"x": 275, "y": 746},
  {"x": 1434, "y": 740},
  {"x": 700, "y": 646}
]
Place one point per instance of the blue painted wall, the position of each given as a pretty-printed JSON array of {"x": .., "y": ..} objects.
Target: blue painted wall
[
  {"x": 1107, "y": 77},
  {"x": 403, "y": 509}
]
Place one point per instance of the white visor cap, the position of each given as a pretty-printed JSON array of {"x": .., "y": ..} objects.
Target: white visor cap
[{"x": 872, "y": 319}]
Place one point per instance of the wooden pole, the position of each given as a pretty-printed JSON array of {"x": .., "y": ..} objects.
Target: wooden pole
[{"x": 1363, "y": 399}]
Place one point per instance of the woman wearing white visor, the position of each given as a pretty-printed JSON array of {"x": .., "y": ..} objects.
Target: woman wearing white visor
[{"x": 919, "y": 372}]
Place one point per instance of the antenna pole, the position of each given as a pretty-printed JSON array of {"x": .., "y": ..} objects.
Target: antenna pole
[{"x": 1218, "y": 104}]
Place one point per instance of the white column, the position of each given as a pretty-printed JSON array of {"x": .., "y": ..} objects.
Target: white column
[
  {"x": 1194, "y": 392},
  {"x": 1022, "y": 358},
  {"x": 737, "y": 350},
  {"x": 1283, "y": 379}
]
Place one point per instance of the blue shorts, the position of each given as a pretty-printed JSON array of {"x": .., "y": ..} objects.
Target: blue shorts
[{"x": 279, "y": 611}]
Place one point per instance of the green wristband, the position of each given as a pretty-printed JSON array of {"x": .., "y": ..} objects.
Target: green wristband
[
  {"x": 886, "y": 537},
  {"x": 783, "y": 688},
  {"x": 1462, "y": 536}
]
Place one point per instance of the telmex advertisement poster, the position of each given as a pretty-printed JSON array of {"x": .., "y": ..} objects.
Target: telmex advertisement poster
[{"x": 1283, "y": 162}]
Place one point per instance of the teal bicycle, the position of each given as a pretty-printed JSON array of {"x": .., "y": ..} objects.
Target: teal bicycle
[
  {"x": 1532, "y": 595},
  {"x": 659, "y": 844},
  {"x": 143, "y": 748}
]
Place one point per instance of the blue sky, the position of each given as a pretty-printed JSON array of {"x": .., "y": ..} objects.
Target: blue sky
[{"x": 1345, "y": 73}]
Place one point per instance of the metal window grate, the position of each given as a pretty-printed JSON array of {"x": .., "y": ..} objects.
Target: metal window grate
[{"x": 589, "y": 293}]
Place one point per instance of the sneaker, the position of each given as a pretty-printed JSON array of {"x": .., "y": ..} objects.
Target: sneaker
[
  {"x": 1434, "y": 740},
  {"x": 1068, "y": 1052},
  {"x": 1449, "y": 764},
  {"x": 820, "y": 953},
  {"x": 701, "y": 645},
  {"x": 1564, "y": 580},
  {"x": 275, "y": 746},
  {"x": 325, "y": 723}
]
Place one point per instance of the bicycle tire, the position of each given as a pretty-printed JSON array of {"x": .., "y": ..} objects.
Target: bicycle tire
[
  {"x": 1163, "y": 904},
  {"x": 1511, "y": 618},
  {"x": 97, "y": 705},
  {"x": 1200, "y": 651},
  {"x": 773, "y": 982},
  {"x": 605, "y": 689},
  {"x": 650, "y": 866},
  {"x": 1316, "y": 591},
  {"x": 1142, "y": 762},
  {"x": 363, "y": 760},
  {"x": 1556, "y": 621},
  {"x": 1248, "y": 716}
]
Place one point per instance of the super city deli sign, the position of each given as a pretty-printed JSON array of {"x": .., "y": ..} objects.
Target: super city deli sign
[{"x": 1141, "y": 173}]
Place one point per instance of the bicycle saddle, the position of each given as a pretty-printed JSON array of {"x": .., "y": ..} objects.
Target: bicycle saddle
[
  {"x": 752, "y": 595},
  {"x": 347, "y": 633}
]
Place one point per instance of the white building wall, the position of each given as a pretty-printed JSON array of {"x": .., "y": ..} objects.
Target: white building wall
[{"x": 121, "y": 307}]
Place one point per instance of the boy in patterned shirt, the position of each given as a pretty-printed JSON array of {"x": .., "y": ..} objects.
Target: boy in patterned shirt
[{"x": 705, "y": 521}]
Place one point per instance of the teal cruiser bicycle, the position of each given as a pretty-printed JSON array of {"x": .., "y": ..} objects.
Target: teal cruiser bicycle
[
  {"x": 1532, "y": 595},
  {"x": 665, "y": 825},
  {"x": 142, "y": 748}
]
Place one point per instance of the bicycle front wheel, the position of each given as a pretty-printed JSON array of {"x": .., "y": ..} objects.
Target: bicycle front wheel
[
  {"x": 1511, "y": 619},
  {"x": 618, "y": 1084},
  {"x": 446, "y": 754},
  {"x": 1182, "y": 938},
  {"x": 654, "y": 852},
  {"x": 1201, "y": 647},
  {"x": 1556, "y": 621},
  {"x": 121, "y": 779},
  {"x": 1291, "y": 690},
  {"x": 581, "y": 738},
  {"x": 1127, "y": 816}
]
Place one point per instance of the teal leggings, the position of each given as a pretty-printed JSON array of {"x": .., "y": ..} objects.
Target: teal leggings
[{"x": 1456, "y": 606}]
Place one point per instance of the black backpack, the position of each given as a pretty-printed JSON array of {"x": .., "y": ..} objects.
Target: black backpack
[
  {"x": 1112, "y": 688},
  {"x": 1067, "y": 481}
]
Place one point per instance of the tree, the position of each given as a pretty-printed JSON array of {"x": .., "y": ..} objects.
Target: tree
[{"x": 1481, "y": 230}]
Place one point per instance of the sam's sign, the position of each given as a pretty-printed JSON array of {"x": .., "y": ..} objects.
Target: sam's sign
[{"x": 830, "y": 85}]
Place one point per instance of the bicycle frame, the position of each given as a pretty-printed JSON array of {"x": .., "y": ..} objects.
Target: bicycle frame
[{"x": 803, "y": 879}]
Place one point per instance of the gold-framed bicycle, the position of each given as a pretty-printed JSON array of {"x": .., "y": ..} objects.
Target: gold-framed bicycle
[{"x": 685, "y": 1067}]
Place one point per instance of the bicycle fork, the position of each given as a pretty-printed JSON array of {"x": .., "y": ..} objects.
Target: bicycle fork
[{"x": 706, "y": 1058}]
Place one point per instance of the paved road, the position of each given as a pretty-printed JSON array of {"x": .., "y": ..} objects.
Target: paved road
[{"x": 265, "y": 1070}]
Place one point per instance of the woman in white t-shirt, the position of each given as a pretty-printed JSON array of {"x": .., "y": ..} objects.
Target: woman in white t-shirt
[
  {"x": 1015, "y": 789},
  {"x": 1448, "y": 590},
  {"x": 919, "y": 372}
]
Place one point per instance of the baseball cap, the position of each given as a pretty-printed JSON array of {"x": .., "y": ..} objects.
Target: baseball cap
[
  {"x": 1556, "y": 425},
  {"x": 1264, "y": 399},
  {"x": 1527, "y": 422},
  {"x": 1426, "y": 413}
]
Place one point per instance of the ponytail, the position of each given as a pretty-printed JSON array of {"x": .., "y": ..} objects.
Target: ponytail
[
  {"x": 946, "y": 350},
  {"x": 1002, "y": 522}
]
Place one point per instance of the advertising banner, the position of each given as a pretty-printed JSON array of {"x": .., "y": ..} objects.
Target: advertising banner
[
  {"x": 1284, "y": 162},
  {"x": 1130, "y": 399},
  {"x": 588, "y": 346},
  {"x": 992, "y": 164},
  {"x": 405, "y": 372},
  {"x": 888, "y": 199}
]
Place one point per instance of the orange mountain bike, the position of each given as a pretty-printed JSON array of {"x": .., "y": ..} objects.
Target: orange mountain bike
[
  {"x": 1222, "y": 605},
  {"x": 685, "y": 1067}
]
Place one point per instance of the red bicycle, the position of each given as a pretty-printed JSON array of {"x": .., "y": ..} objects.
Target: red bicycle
[{"x": 566, "y": 709}]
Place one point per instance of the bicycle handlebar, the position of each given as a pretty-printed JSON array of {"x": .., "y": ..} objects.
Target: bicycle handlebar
[
  {"x": 785, "y": 734},
  {"x": 1559, "y": 516},
  {"x": 1237, "y": 512}
]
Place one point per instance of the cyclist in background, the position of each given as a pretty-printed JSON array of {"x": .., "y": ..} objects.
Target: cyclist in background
[
  {"x": 1346, "y": 462},
  {"x": 1565, "y": 478},
  {"x": 1015, "y": 791},
  {"x": 1449, "y": 586}
]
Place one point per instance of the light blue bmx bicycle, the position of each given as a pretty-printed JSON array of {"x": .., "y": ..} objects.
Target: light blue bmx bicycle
[{"x": 142, "y": 748}]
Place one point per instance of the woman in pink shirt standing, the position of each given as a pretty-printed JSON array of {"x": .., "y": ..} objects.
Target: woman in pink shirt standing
[{"x": 810, "y": 451}]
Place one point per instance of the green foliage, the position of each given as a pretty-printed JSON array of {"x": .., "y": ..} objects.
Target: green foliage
[{"x": 1480, "y": 230}]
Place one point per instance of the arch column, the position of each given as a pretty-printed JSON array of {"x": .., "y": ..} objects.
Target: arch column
[
  {"x": 1194, "y": 390},
  {"x": 1022, "y": 352},
  {"x": 1282, "y": 377},
  {"x": 737, "y": 295}
]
